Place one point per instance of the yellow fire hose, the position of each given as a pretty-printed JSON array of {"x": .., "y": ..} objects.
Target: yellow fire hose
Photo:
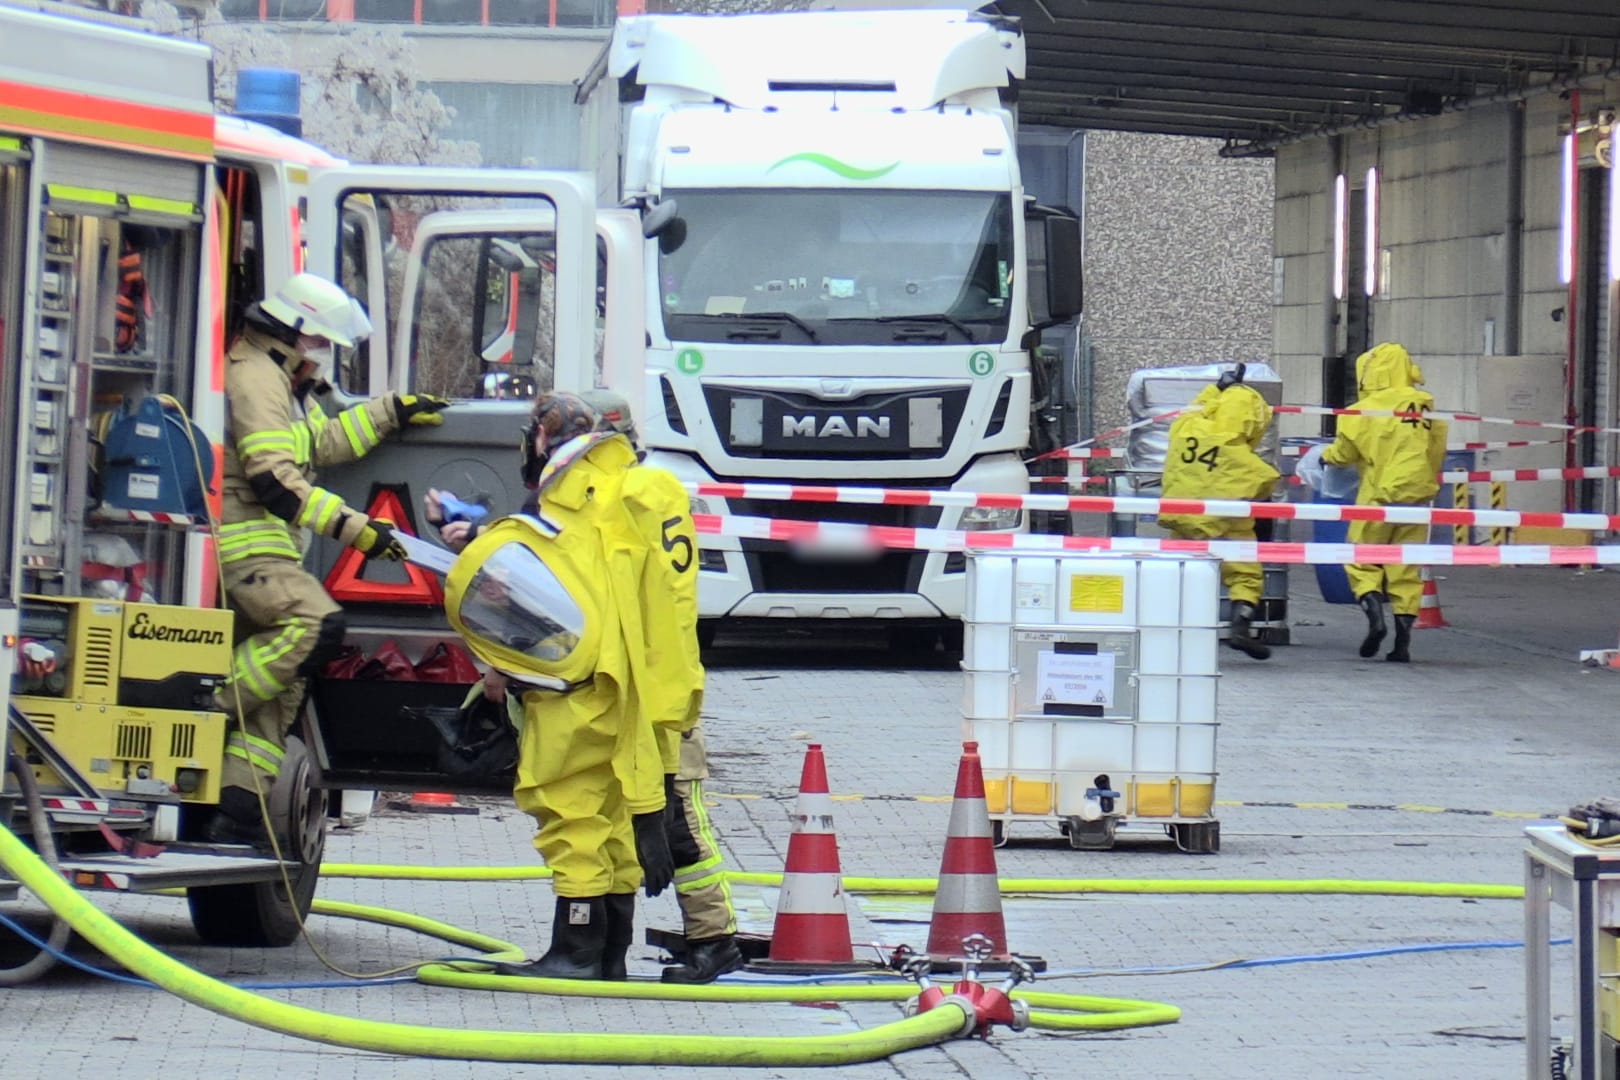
[
  {"x": 949, "y": 1019},
  {"x": 1009, "y": 886}
]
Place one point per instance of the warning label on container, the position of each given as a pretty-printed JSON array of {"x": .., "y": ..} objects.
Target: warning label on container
[
  {"x": 1076, "y": 678},
  {"x": 1097, "y": 592}
]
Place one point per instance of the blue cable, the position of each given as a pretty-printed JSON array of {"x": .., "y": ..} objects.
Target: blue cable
[
  {"x": 131, "y": 980},
  {"x": 802, "y": 980}
]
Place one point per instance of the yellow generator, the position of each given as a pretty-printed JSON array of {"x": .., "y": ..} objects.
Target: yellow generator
[{"x": 125, "y": 692}]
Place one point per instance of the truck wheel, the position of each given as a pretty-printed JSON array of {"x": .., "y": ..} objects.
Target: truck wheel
[
  {"x": 705, "y": 631},
  {"x": 266, "y": 913}
]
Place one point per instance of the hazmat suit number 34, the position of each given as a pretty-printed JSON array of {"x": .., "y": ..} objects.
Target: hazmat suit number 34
[{"x": 1211, "y": 455}]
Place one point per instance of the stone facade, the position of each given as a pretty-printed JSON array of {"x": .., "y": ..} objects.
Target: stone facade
[{"x": 1178, "y": 259}]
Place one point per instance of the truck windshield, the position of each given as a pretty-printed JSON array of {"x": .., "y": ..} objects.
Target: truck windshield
[{"x": 839, "y": 267}]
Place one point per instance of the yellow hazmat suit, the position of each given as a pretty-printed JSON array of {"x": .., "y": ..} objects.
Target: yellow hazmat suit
[
  {"x": 1211, "y": 455},
  {"x": 663, "y": 515},
  {"x": 1399, "y": 459},
  {"x": 587, "y": 762}
]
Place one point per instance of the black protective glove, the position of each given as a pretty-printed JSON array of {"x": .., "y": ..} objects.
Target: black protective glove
[
  {"x": 672, "y": 804},
  {"x": 377, "y": 541},
  {"x": 1231, "y": 377},
  {"x": 419, "y": 409},
  {"x": 652, "y": 852}
]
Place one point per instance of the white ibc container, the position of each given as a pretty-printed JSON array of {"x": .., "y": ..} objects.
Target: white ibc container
[
  {"x": 1197, "y": 752},
  {"x": 994, "y": 738},
  {"x": 1200, "y": 592},
  {"x": 1031, "y": 746},
  {"x": 1199, "y": 649},
  {"x": 1159, "y": 601},
  {"x": 1197, "y": 704},
  {"x": 987, "y": 694},
  {"x": 1097, "y": 592},
  {"x": 1159, "y": 651},
  {"x": 991, "y": 597},
  {"x": 1155, "y": 748},
  {"x": 1035, "y": 590},
  {"x": 987, "y": 647},
  {"x": 1094, "y": 746},
  {"x": 1158, "y": 699}
]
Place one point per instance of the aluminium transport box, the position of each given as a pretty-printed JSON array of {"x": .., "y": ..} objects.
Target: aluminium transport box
[{"x": 1082, "y": 666}]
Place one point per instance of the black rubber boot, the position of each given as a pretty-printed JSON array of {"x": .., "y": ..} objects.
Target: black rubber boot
[
  {"x": 238, "y": 819},
  {"x": 621, "y": 931},
  {"x": 578, "y": 935},
  {"x": 1242, "y": 638},
  {"x": 706, "y": 961},
  {"x": 1403, "y": 639},
  {"x": 1373, "y": 605}
]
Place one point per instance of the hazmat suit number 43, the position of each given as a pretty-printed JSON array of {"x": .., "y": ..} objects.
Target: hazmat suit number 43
[{"x": 1399, "y": 459}]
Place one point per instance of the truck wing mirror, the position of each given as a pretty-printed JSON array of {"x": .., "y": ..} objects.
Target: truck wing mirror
[{"x": 663, "y": 220}]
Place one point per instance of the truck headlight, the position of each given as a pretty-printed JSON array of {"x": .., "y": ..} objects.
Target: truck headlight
[
  {"x": 984, "y": 518},
  {"x": 699, "y": 506}
]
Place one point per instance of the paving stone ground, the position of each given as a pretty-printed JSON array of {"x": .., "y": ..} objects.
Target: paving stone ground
[{"x": 1493, "y": 724}]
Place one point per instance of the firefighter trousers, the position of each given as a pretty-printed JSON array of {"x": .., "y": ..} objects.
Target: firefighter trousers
[
  {"x": 288, "y": 627},
  {"x": 700, "y": 880}
]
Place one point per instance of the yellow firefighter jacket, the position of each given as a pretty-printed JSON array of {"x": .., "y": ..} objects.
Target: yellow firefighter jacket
[
  {"x": 1399, "y": 458},
  {"x": 275, "y": 440},
  {"x": 1211, "y": 455}
]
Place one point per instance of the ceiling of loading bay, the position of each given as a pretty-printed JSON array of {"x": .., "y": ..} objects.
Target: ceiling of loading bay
[{"x": 1260, "y": 72}]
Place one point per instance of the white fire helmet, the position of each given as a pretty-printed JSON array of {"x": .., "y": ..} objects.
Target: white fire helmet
[{"x": 311, "y": 305}]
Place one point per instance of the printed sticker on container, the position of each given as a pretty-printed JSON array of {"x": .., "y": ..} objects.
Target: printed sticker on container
[
  {"x": 1065, "y": 678},
  {"x": 144, "y": 485},
  {"x": 1097, "y": 592}
]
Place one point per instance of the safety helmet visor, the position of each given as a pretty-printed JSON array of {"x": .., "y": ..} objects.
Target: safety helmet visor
[{"x": 514, "y": 602}]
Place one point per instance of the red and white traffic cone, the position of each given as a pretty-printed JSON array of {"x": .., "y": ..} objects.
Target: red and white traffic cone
[
  {"x": 812, "y": 923},
  {"x": 968, "y": 900},
  {"x": 1429, "y": 614}
]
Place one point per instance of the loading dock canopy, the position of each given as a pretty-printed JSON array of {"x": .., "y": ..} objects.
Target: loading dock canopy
[{"x": 1260, "y": 72}]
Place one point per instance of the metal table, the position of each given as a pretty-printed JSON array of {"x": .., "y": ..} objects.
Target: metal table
[{"x": 1584, "y": 880}]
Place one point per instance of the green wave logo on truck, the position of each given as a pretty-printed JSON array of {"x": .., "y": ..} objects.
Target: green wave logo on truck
[{"x": 833, "y": 165}]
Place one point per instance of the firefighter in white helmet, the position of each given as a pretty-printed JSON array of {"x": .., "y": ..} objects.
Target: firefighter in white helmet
[{"x": 277, "y": 435}]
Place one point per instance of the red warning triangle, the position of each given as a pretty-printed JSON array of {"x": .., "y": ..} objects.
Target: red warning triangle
[{"x": 346, "y": 582}]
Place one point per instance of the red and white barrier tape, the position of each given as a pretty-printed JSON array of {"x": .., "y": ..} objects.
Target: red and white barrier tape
[
  {"x": 1137, "y": 505},
  {"x": 1465, "y": 418},
  {"x": 1480, "y": 476},
  {"x": 842, "y": 536}
]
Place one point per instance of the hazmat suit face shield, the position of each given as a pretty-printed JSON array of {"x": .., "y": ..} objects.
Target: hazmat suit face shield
[{"x": 514, "y": 604}]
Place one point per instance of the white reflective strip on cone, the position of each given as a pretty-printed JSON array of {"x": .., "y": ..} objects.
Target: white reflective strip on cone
[
  {"x": 813, "y": 814},
  {"x": 969, "y": 818},
  {"x": 811, "y": 894},
  {"x": 968, "y": 892}
]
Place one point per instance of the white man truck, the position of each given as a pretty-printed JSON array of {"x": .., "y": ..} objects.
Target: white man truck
[{"x": 845, "y": 283}]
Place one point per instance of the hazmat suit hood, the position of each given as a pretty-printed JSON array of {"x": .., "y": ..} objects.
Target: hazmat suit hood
[
  {"x": 1386, "y": 366},
  {"x": 1242, "y": 410}
]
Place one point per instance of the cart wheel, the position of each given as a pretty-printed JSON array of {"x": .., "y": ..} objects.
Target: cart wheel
[
  {"x": 1197, "y": 838},
  {"x": 1090, "y": 835},
  {"x": 266, "y": 913},
  {"x": 998, "y": 833}
]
